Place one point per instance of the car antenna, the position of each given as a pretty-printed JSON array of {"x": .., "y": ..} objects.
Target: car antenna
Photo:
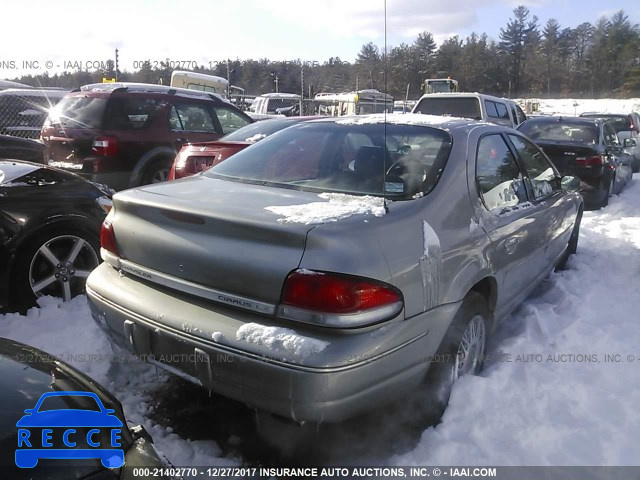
[{"x": 384, "y": 145}]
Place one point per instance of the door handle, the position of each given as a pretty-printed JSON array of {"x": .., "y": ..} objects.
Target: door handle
[{"x": 510, "y": 244}]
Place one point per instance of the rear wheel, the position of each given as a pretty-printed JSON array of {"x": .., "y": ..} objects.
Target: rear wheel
[
  {"x": 156, "y": 172},
  {"x": 461, "y": 351},
  {"x": 56, "y": 263}
]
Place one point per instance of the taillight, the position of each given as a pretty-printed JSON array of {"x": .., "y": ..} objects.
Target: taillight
[
  {"x": 337, "y": 300},
  {"x": 187, "y": 165},
  {"x": 105, "y": 146},
  {"x": 108, "y": 236},
  {"x": 593, "y": 161}
]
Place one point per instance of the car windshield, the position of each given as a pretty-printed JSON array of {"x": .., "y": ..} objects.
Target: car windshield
[
  {"x": 397, "y": 161},
  {"x": 621, "y": 123},
  {"x": 465, "y": 107},
  {"x": 79, "y": 112},
  {"x": 258, "y": 130},
  {"x": 560, "y": 132}
]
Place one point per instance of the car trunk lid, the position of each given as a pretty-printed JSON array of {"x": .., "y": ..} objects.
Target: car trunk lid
[
  {"x": 211, "y": 233},
  {"x": 564, "y": 154}
]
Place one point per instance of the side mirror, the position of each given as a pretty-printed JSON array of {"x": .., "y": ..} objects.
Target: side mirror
[
  {"x": 629, "y": 142},
  {"x": 570, "y": 184}
]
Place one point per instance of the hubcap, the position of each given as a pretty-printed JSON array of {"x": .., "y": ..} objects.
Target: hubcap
[
  {"x": 471, "y": 348},
  {"x": 61, "y": 266},
  {"x": 160, "y": 176}
]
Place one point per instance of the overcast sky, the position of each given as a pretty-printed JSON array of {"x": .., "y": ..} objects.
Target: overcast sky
[{"x": 72, "y": 31}]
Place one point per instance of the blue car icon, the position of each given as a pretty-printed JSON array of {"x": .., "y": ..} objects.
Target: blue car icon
[{"x": 94, "y": 427}]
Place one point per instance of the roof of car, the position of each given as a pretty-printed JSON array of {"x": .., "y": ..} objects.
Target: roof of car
[
  {"x": 436, "y": 121},
  {"x": 465, "y": 94},
  {"x": 562, "y": 118},
  {"x": 148, "y": 88},
  {"x": 34, "y": 92}
]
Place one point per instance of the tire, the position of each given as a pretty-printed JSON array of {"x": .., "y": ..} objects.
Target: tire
[
  {"x": 157, "y": 171},
  {"x": 605, "y": 193},
  {"x": 471, "y": 321},
  {"x": 572, "y": 244},
  {"x": 56, "y": 263}
]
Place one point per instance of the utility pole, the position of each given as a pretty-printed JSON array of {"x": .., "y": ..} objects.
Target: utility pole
[
  {"x": 301, "y": 87},
  {"x": 228, "y": 80},
  {"x": 116, "y": 72},
  {"x": 276, "y": 82}
]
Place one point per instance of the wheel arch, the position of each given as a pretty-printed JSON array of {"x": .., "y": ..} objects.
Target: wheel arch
[{"x": 158, "y": 153}]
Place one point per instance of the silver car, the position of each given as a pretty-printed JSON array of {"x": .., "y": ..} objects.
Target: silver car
[{"x": 337, "y": 264}]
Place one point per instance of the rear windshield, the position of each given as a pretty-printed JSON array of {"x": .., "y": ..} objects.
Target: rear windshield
[
  {"x": 560, "y": 132},
  {"x": 400, "y": 161},
  {"x": 79, "y": 112},
  {"x": 274, "y": 103},
  {"x": 258, "y": 130},
  {"x": 621, "y": 123},
  {"x": 466, "y": 107}
]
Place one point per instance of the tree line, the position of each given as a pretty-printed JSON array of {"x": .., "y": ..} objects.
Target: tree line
[{"x": 528, "y": 60}]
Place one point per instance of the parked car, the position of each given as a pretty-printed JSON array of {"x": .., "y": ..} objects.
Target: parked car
[
  {"x": 269, "y": 103},
  {"x": 197, "y": 157},
  {"x": 315, "y": 285},
  {"x": 49, "y": 231},
  {"x": 26, "y": 374},
  {"x": 23, "y": 110},
  {"x": 476, "y": 106},
  {"x": 21, "y": 149},
  {"x": 127, "y": 134},
  {"x": 627, "y": 126},
  {"x": 586, "y": 148}
]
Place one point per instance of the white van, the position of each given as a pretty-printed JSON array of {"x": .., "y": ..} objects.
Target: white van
[
  {"x": 199, "y": 81},
  {"x": 476, "y": 106}
]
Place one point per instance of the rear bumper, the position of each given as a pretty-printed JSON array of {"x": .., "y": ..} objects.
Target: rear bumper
[
  {"x": 115, "y": 176},
  {"x": 355, "y": 372}
]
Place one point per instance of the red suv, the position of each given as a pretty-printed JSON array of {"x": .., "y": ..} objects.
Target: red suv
[{"x": 126, "y": 134}]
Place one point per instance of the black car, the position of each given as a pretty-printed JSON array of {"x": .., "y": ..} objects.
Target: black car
[
  {"x": 21, "y": 149},
  {"x": 49, "y": 231},
  {"x": 586, "y": 148},
  {"x": 26, "y": 374}
]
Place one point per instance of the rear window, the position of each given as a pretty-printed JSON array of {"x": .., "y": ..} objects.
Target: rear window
[
  {"x": 79, "y": 112},
  {"x": 257, "y": 130},
  {"x": 466, "y": 107},
  {"x": 399, "y": 161},
  {"x": 620, "y": 123},
  {"x": 560, "y": 132}
]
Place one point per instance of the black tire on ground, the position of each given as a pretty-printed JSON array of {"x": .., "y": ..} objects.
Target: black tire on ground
[
  {"x": 157, "y": 171},
  {"x": 69, "y": 253},
  {"x": 604, "y": 192},
  {"x": 572, "y": 245},
  {"x": 449, "y": 363}
]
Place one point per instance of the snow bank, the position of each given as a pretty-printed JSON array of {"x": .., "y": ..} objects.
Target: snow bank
[{"x": 576, "y": 106}]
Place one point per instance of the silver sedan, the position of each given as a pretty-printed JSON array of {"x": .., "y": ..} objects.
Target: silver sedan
[{"x": 338, "y": 264}]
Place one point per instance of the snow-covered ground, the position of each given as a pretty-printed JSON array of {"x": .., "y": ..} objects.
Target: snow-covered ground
[
  {"x": 576, "y": 106},
  {"x": 560, "y": 386}
]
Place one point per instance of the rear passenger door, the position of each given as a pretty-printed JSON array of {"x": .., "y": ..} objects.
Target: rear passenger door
[
  {"x": 544, "y": 184},
  {"x": 511, "y": 221},
  {"x": 192, "y": 122}
]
